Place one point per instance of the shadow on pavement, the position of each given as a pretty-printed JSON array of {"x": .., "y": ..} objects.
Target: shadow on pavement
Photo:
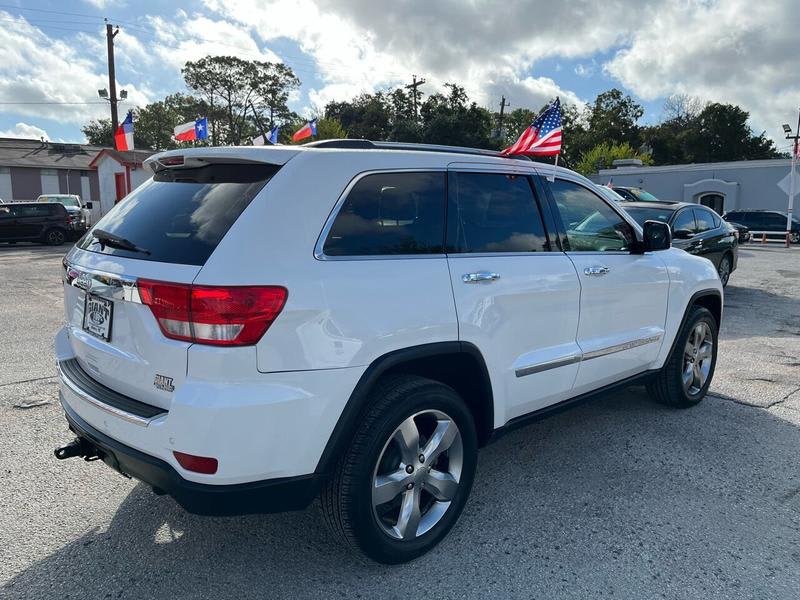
[{"x": 617, "y": 498}]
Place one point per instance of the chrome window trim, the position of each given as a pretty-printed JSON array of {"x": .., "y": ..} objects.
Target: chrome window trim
[
  {"x": 319, "y": 252},
  {"x": 576, "y": 358},
  {"x": 129, "y": 417},
  {"x": 101, "y": 283}
]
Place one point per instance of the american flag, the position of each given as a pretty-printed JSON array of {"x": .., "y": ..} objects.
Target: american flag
[{"x": 543, "y": 137}]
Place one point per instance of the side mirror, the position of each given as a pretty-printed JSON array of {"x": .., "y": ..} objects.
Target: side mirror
[
  {"x": 88, "y": 205},
  {"x": 656, "y": 236},
  {"x": 683, "y": 234}
]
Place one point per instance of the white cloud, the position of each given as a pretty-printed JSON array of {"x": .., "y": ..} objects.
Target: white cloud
[
  {"x": 25, "y": 131},
  {"x": 53, "y": 78},
  {"x": 727, "y": 52}
]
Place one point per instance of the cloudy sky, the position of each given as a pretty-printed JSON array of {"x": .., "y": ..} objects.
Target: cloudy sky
[{"x": 53, "y": 56}]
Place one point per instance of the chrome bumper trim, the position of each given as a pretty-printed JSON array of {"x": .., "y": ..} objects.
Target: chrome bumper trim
[{"x": 130, "y": 417}]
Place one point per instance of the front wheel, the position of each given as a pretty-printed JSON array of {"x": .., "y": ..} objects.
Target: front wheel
[
  {"x": 407, "y": 473},
  {"x": 685, "y": 378},
  {"x": 794, "y": 237}
]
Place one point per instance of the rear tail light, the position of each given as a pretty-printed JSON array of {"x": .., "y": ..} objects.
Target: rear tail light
[
  {"x": 214, "y": 315},
  {"x": 198, "y": 464}
]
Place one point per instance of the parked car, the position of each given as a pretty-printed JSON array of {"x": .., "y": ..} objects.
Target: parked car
[
  {"x": 695, "y": 229},
  {"x": 634, "y": 194},
  {"x": 764, "y": 220},
  {"x": 255, "y": 327},
  {"x": 77, "y": 209},
  {"x": 609, "y": 193},
  {"x": 742, "y": 232},
  {"x": 32, "y": 222}
]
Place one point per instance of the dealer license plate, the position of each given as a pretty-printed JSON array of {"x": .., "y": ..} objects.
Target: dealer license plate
[{"x": 97, "y": 314}]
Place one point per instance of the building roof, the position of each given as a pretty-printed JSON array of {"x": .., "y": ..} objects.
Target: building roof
[
  {"x": 123, "y": 157},
  {"x": 717, "y": 166},
  {"x": 56, "y": 155}
]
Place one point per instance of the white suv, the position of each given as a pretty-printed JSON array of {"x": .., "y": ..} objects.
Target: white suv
[{"x": 349, "y": 320}]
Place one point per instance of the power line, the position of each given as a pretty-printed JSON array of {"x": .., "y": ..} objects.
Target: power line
[{"x": 45, "y": 102}]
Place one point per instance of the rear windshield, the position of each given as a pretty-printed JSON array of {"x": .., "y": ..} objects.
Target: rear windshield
[
  {"x": 641, "y": 215},
  {"x": 181, "y": 214}
]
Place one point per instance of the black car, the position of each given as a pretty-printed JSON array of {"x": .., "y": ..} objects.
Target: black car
[
  {"x": 773, "y": 221},
  {"x": 741, "y": 230},
  {"x": 33, "y": 222},
  {"x": 696, "y": 229},
  {"x": 634, "y": 194}
]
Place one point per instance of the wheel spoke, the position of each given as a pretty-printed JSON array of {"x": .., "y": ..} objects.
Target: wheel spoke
[
  {"x": 440, "y": 440},
  {"x": 688, "y": 375},
  {"x": 410, "y": 515},
  {"x": 388, "y": 487},
  {"x": 705, "y": 351},
  {"x": 443, "y": 486},
  {"x": 697, "y": 376},
  {"x": 407, "y": 438}
]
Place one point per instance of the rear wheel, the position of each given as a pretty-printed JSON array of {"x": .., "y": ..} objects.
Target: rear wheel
[
  {"x": 795, "y": 237},
  {"x": 406, "y": 476},
  {"x": 55, "y": 236},
  {"x": 685, "y": 379},
  {"x": 724, "y": 269}
]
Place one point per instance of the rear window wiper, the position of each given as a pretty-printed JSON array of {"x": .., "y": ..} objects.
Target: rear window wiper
[{"x": 106, "y": 238}]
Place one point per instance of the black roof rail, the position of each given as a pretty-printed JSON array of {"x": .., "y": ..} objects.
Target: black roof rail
[{"x": 370, "y": 145}]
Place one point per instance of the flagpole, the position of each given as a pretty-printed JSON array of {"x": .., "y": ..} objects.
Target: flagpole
[{"x": 552, "y": 177}]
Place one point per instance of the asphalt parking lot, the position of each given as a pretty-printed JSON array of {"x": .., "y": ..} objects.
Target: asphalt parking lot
[{"x": 619, "y": 498}]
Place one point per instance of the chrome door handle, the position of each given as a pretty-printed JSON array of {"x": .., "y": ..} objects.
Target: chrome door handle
[
  {"x": 596, "y": 271},
  {"x": 479, "y": 276}
]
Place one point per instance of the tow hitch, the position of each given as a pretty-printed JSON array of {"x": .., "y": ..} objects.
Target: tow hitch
[{"x": 77, "y": 447}]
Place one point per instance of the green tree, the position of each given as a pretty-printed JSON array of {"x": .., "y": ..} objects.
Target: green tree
[
  {"x": 604, "y": 154},
  {"x": 451, "y": 119},
  {"x": 614, "y": 118},
  {"x": 98, "y": 132}
]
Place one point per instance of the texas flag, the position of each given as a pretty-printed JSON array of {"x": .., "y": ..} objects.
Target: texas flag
[
  {"x": 123, "y": 137},
  {"x": 307, "y": 130},
  {"x": 193, "y": 130}
]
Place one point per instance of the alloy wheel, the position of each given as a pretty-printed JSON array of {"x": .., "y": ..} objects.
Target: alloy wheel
[
  {"x": 55, "y": 237},
  {"x": 417, "y": 474},
  {"x": 724, "y": 270},
  {"x": 698, "y": 355}
]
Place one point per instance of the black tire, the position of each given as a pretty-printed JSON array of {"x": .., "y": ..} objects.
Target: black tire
[
  {"x": 668, "y": 386},
  {"x": 794, "y": 237},
  {"x": 347, "y": 500},
  {"x": 724, "y": 269},
  {"x": 54, "y": 236}
]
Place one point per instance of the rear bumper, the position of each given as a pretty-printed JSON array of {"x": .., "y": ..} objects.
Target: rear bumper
[{"x": 272, "y": 495}]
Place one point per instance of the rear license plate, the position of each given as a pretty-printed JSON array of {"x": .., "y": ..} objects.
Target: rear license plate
[{"x": 97, "y": 314}]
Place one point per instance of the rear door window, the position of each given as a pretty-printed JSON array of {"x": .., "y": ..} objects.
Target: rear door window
[
  {"x": 181, "y": 215},
  {"x": 684, "y": 222},
  {"x": 704, "y": 220},
  {"x": 390, "y": 214},
  {"x": 494, "y": 212}
]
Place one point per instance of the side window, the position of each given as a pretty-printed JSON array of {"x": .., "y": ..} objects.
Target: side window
[
  {"x": 590, "y": 223},
  {"x": 390, "y": 213},
  {"x": 705, "y": 221},
  {"x": 684, "y": 222},
  {"x": 494, "y": 212}
]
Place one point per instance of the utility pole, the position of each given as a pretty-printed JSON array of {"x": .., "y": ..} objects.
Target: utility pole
[
  {"x": 503, "y": 105},
  {"x": 792, "y": 175},
  {"x": 111, "y": 33},
  {"x": 413, "y": 87}
]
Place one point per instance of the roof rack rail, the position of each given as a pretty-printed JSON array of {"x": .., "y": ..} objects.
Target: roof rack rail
[{"x": 370, "y": 145}]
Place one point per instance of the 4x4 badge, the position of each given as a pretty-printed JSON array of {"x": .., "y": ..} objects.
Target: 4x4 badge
[{"x": 162, "y": 382}]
